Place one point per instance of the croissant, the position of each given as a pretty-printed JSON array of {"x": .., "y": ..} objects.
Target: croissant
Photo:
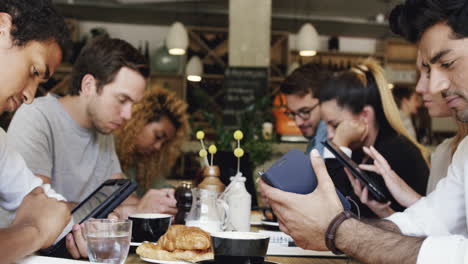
[
  {"x": 179, "y": 243},
  {"x": 154, "y": 251},
  {"x": 185, "y": 238}
]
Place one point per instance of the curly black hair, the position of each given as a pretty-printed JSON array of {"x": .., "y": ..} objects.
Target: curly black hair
[
  {"x": 36, "y": 20},
  {"x": 412, "y": 18}
]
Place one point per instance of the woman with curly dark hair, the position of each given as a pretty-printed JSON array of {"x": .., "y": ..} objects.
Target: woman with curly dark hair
[{"x": 149, "y": 144}]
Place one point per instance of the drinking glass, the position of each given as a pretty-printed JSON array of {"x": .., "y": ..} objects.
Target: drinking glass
[{"x": 108, "y": 240}]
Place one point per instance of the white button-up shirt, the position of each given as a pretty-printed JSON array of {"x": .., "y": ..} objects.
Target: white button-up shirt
[{"x": 442, "y": 216}]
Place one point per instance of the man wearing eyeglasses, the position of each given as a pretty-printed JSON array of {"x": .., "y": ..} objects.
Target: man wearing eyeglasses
[{"x": 300, "y": 89}]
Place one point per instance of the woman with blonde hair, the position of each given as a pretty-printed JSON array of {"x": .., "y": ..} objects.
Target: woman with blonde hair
[
  {"x": 440, "y": 158},
  {"x": 360, "y": 111},
  {"x": 149, "y": 144}
]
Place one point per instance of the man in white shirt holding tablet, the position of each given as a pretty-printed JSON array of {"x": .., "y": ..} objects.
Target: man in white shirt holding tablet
[{"x": 434, "y": 229}]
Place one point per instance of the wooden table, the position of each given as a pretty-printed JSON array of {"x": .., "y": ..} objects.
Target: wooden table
[{"x": 134, "y": 259}]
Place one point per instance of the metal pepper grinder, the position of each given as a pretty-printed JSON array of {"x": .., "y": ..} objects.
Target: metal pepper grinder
[
  {"x": 211, "y": 179},
  {"x": 183, "y": 195}
]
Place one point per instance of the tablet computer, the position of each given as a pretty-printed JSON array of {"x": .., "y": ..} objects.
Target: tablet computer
[
  {"x": 373, "y": 188},
  {"x": 97, "y": 205},
  {"x": 293, "y": 172}
]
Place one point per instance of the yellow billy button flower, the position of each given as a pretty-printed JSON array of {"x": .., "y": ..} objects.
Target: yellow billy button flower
[
  {"x": 200, "y": 135},
  {"x": 203, "y": 153},
  {"x": 238, "y": 135},
  {"x": 238, "y": 152},
  {"x": 212, "y": 149}
]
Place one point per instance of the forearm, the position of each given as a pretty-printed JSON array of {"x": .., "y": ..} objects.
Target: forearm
[
  {"x": 383, "y": 224},
  {"x": 125, "y": 210},
  {"x": 17, "y": 242},
  {"x": 71, "y": 205},
  {"x": 131, "y": 200},
  {"x": 370, "y": 244}
]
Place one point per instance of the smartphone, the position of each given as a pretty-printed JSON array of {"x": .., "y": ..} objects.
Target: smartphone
[
  {"x": 346, "y": 161},
  {"x": 293, "y": 172}
]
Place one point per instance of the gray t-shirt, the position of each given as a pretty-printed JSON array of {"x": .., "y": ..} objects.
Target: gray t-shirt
[{"x": 77, "y": 160}]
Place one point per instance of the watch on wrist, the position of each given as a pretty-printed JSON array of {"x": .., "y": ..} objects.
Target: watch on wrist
[{"x": 330, "y": 234}]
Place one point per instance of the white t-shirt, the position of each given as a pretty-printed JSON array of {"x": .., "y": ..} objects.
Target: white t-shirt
[
  {"x": 442, "y": 216},
  {"x": 16, "y": 180},
  {"x": 76, "y": 159},
  {"x": 440, "y": 161}
]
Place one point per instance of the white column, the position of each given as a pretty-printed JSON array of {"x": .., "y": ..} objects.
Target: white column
[{"x": 249, "y": 33}]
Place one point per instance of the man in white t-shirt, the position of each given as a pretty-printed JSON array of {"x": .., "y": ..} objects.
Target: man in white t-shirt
[
  {"x": 30, "y": 51},
  {"x": 435, "y": 228}
]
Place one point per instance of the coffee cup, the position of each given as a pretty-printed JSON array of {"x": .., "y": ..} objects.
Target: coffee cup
[
  {"x": 149, "y": 227},
  {"x": 239, "y": 247}
]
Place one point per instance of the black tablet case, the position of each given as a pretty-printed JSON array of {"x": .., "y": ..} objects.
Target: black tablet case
[{"x": 126, "y": 187}]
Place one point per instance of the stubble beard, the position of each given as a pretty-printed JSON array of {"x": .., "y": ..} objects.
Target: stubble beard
[
  {"x": 462, "y": 116},
  {"x": 96, "y": 123}
]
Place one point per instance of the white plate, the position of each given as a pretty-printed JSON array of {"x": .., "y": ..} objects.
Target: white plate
[
  {"x": 48, "y": 260},
  {"x": 163, "y": 261},
  {"x": 269, "y": 223}
]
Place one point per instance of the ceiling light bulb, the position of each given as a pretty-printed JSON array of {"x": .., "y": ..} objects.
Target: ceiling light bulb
[{"x": 194, "y": 78}]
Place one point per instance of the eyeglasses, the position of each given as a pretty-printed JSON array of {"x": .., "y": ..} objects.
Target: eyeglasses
[{"x": 303, "y": 113}]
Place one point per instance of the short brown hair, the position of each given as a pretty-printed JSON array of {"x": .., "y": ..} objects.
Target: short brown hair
[
  {"x": 103, "y": 58},
  {"x": 304, "y": 80}
]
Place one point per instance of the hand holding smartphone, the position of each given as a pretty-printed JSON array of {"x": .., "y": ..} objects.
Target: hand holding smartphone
[{"x": 347, "y": 162}]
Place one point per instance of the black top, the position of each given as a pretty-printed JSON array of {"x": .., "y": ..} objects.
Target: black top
[{"x": 404, "y": 158}]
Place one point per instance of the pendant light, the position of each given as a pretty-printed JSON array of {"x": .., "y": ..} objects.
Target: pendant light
[
  {"x": 177, "y": 39},
  {"x": 194, "y": 69},
  {"x": 307, "y": 40}
]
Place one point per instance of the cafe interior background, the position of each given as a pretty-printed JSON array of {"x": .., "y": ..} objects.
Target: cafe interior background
[{"x": 242, "y": 49}]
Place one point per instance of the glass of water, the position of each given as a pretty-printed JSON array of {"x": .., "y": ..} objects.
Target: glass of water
[{"x": 108, "y": 240}]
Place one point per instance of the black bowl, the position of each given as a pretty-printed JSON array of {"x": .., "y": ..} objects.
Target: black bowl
[
  {"x": 149, "y": 227},
  {"x": 239, "y": 247}
]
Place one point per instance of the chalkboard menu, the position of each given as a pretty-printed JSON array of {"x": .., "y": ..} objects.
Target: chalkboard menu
[{"x": 243, "y": 85}]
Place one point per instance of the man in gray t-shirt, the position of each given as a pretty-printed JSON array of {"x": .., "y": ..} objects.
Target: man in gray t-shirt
[
  {"x": 67, "y": 141},
  {"x": 76, "y": 159}
]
